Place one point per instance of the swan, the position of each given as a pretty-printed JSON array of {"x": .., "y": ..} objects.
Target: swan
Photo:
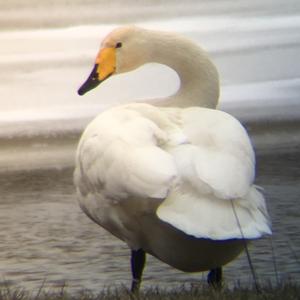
[{"x": 173, "y": 179}]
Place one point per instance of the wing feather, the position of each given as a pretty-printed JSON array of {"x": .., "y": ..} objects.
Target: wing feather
[
  {"x": 119, "y": 154},
  {"x": 216, "y": 169}
]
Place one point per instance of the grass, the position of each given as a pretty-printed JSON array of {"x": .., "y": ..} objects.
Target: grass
[{"x": 286, "y": 291}]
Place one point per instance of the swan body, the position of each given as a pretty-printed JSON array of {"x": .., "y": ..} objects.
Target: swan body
[{"x": 169, "y": 179}]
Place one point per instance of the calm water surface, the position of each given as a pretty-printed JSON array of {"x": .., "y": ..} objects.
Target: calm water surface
[{"x": 46, "y": 238}]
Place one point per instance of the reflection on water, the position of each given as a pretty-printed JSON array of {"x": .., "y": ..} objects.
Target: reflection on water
[{"x": 45, "y": 237}]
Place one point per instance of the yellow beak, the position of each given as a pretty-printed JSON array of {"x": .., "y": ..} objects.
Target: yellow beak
[{"x": 106, "y": 61}]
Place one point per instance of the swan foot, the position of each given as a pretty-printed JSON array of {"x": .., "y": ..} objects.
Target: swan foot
[
  {"x": 214, "y": 278},
  {"x": 138, "y": 259}
]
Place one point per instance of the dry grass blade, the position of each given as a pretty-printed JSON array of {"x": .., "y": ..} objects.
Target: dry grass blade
[{"x": 288, "y": 290}]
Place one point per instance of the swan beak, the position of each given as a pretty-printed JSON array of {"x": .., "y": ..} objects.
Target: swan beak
[
  {"x": 105, "y": 66},
  {"x": 90, "y": 83}
]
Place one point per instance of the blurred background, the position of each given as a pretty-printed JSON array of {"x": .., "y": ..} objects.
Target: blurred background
[{"x": 47, "y": 50}]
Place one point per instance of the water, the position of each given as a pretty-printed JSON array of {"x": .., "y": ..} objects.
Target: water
[
  {"x": 46, "y": 238},
  {"x": 47, "y": 51}
]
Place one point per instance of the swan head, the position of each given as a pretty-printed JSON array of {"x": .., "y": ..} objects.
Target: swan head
[
  {"x": 123, "y": 50},
  {"x": 129, "y": 47}
]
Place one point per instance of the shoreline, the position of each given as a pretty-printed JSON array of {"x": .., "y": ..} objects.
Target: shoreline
[{"x": 56, "y": 149}]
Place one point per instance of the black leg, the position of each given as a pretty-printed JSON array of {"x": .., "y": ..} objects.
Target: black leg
[
  {"x": 214, "y": 278},
  {"x": 138, "y": 259}
]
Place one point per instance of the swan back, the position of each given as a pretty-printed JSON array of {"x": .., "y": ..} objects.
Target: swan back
[{"x": 194, "y": 162}]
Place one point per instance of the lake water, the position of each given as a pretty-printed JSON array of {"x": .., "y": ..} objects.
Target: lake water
[
  {"x": 45, "y": 236},
  {"x": 47, "y": 51}
]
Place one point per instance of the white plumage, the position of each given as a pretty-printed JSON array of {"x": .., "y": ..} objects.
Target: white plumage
[{"x": 170, "y": 179}]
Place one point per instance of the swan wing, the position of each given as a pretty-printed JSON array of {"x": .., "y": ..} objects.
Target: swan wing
[
  {"x": 219, "y": 151},
  {"x": 215, "y": 197},
  {"x": 119, "y": 156}
]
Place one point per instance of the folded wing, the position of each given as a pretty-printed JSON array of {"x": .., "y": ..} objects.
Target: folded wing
[{"x": 215, "y": 197}]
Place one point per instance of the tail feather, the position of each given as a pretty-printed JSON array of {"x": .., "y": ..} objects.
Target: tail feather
[{"x": 209, "y": 217}]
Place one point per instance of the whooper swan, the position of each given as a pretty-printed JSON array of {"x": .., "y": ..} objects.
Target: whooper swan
[{"x": 169, "y": 179}]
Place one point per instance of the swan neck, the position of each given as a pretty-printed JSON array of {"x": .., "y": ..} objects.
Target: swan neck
[{"x": 199, "y": 80}]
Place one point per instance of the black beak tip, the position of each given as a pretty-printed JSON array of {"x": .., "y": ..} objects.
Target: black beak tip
[
  {"x": 90, "y": 83},
  {"x": 81, "y": 92}
]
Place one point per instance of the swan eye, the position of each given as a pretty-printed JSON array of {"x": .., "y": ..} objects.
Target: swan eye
[{"x": 118, "y": 45}]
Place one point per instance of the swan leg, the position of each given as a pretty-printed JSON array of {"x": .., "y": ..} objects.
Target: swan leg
[
  {"x": 214, "y": 278},
  {"x": 138, "y": 259}
]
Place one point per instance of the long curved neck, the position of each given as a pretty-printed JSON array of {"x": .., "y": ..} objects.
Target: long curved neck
[{"x": 199, "y": 80}]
